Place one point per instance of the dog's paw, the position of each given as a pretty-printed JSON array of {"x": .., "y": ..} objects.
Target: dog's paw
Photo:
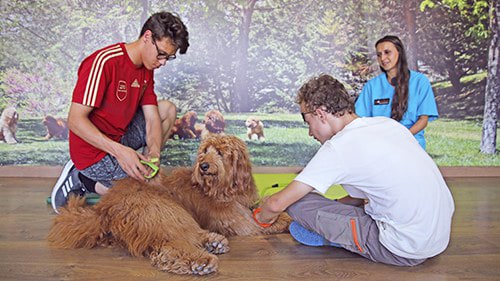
[
  {"x": 216, "y": 244},
  {"x": 217, "y": 247},
  {"x": 280, "y": 225},
  {"x": 204, "y": 265},
  {"x": 181, "y": 260}
]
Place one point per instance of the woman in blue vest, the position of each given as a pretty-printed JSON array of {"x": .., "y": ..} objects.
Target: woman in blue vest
[{"x": 399, "y": 93}]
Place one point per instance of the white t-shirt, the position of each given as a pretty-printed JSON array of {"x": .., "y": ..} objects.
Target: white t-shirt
[{"x": 378, "y": 159}]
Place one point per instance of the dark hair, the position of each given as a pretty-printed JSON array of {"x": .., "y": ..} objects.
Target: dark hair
[
  {"x": 326, "y": 91},
  {"x": 400, "y": 99},
  {"x": 168, "y": 25}
]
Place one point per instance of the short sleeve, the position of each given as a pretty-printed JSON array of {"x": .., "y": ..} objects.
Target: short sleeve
[
  {"x": 363, "y": 103},
  {"x": 427, "y": 102},
  {"x": 324, "y": 169},
  {"x": 91, "y": 84}
]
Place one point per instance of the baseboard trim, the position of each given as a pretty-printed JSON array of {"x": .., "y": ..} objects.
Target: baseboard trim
[{"x": 53, "y": 171}]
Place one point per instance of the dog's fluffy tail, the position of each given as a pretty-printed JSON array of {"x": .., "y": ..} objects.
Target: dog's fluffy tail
[{"x": 77, "y": 226}]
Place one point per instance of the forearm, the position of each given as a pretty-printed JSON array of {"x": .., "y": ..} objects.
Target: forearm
[
  {"x": 271, "y": 209},
  {"x": 277, "y": 203},
  {"x": 153, "y": 139},
  {"x": 420, "y": 124},
  {"x": 153, "y": 131}
]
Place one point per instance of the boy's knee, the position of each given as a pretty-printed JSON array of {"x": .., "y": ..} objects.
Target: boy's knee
[{"x": 167, "y": 110}]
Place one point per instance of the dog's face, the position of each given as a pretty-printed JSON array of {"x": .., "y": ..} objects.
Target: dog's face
[
  {"x": 189, "y": 119},
  {"x": 251, "y": 122},
  {"x": 214, "y": 121},
  {"x": 223, "y": 168},
  {"x": 49, "y": 120}
]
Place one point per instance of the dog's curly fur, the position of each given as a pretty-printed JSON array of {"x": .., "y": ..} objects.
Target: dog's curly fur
[
  {"x": 8, "y": 125},
  {"x": 213, "y": 124},
  {"x": 56, "y": 128},
  {"x": 184, "y": 127},
  {"x": 178, "y": 220},
  {"x": 255, "y": 127}
]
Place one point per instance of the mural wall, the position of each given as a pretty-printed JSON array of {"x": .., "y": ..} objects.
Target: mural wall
[{"x": 247, "y": 60}]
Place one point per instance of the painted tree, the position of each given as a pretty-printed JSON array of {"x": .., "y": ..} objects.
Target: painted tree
[
  {"x": 448, "y": 43},
  {"x": 58, "y": 35},
  {"x": 486, "y": 26},
  {"x": 350, "y": 28},
  {"x": 299, "y": 39},
  {"x": 402, "y": 16},
  {"x": 240, "y": 96},
  {"x": 491, "y": 103}
]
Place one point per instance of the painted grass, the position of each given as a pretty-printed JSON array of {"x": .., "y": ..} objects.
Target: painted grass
[
  {"x": 473, "y": 78},
  {"x": 286, "y": 143},
  {"x": 450, "y": 143},
  {"x": 456, "y": 143}
]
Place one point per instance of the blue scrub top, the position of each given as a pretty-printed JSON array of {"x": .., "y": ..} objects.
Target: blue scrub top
[{"x": 376, "y": 100}]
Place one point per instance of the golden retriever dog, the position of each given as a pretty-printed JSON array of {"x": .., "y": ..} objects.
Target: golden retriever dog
[
  {"x": 255, "y": 127},
  {"x": 179, "y": 221},
  {"x": 184, "y": 127},
  {"x": 8, "y": 125},
  {"x": 214, "y": 123},
  {"x": 56, "y": 128}
]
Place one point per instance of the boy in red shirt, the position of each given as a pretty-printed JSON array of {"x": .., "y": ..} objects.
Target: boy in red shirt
[{"x": 114, "y": 110}]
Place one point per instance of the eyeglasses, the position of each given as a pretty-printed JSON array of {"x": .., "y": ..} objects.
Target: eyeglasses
[
  {"x": 305, "y": 113},
  {"x": 161, "y": 55}
]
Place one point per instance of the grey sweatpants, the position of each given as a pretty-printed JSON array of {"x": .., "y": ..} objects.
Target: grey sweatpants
[
  {"x": 346, "y": 225},
  {"x": 107, "y": 169}
]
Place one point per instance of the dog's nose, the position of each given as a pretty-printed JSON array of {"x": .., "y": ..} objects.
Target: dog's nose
[{"x": 204, "y": 166}]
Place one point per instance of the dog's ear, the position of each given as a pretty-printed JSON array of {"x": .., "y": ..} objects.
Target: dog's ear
[
  {"x": 219, "y": 123},
  {"x": 242, "y": 168},
  {"x": 193, "y": 117},
  {"x": 196, "y": 179},
  {"x": 185, "y": 120}
]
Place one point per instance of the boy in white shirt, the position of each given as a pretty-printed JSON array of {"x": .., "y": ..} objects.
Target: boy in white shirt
[{"x": 399, "y": 208}]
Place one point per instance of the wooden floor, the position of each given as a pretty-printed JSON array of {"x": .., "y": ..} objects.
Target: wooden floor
[{"x": 473, "y": 254}]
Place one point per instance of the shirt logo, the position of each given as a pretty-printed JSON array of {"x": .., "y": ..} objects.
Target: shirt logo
[
  {"x": 121, "y": 90},
  {"x": 135, "y": 84},
  {"x": 381, "y": 101}
]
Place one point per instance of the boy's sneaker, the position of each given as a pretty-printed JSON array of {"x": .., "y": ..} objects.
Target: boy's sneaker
[
  {"x": 308, "y": 237},
  {"x": 68, "y": 183}
]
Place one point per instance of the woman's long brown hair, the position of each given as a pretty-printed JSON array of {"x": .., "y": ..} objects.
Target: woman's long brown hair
[{"x": 400, "y": 98}]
